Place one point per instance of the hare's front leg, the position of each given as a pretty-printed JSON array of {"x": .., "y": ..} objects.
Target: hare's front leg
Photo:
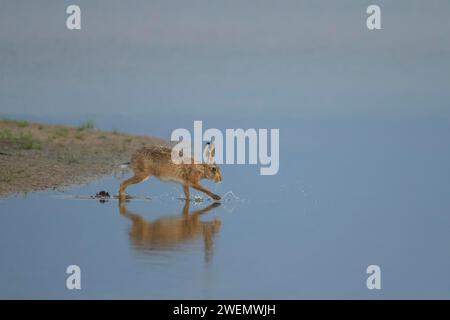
[{"x": 209, "y": 193}]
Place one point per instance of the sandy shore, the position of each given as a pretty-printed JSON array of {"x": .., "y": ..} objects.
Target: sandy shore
[{"x": 37, "y": 156}]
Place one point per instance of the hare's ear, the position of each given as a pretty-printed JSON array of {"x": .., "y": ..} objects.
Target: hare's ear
[{"x": 209, "y": 153}]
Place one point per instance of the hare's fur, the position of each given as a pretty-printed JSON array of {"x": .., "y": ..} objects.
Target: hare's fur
[{"x": 156, "y": 161}]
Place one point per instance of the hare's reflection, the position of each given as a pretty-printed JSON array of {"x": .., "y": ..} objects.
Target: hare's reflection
[{"x": 170, "y": 232}]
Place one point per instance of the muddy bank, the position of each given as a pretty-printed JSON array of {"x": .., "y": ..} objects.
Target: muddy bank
[{"x": 37, "y": 156}]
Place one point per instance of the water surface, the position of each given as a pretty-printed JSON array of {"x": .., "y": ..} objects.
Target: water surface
[{"x": 350, "y": 192}]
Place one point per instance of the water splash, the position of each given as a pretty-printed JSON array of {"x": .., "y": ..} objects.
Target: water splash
[{"x": 230, "y": 196}]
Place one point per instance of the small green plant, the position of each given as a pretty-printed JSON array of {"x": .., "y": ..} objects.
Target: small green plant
[
  {"x": 79, "y": 136},
  {"x": 6, "y": 134},
  {"x": 27, "y": 142},
  {"x": 61, "y": 132},
  {"x": 22, "y": 124},
  {"x": 22, "y": 141},
  {"x": 89, "y": 124}
]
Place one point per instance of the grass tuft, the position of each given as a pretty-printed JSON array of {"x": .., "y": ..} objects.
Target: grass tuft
[
  {"x": 22, "y": 124},
  {"x": 61, "y": 132},
  {"x": 89, "y": 124},
  {"x": 22, "y": 140}
]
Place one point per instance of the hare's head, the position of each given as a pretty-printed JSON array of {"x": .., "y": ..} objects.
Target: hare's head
[
  {"x": 212, "y": 172},
  {"x": 210, "y": 168}
]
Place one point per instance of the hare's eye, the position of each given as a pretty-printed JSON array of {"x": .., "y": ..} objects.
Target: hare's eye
[{"x": 214, "y": 169}]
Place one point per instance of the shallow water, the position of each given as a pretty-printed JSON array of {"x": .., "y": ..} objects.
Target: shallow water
[{"x": 350, "y": 192}]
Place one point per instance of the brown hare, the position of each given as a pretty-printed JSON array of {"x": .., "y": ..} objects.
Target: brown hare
[{"x": 156, "y": 161}]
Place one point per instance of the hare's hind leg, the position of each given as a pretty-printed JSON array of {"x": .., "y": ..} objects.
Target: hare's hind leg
[{"x": 133, "y": 180}]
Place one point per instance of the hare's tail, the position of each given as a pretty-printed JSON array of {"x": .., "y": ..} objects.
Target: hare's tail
[{"x": 125, "y": 165}]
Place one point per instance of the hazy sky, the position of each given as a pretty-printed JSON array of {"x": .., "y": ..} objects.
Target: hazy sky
[{"x": 223, "y": 57}]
